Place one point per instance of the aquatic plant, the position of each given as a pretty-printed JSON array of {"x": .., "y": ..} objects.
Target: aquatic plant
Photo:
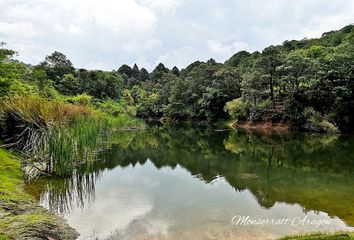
[{"x": 53, "y": 136}]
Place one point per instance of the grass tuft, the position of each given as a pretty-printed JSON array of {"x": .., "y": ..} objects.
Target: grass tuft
[{"x": 53, "y": 136}]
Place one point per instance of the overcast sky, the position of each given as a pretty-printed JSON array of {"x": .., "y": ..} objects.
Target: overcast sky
[{"x": 105, "y": 34}]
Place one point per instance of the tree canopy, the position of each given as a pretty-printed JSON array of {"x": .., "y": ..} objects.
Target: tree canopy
[{"x": 308, "y": 83}]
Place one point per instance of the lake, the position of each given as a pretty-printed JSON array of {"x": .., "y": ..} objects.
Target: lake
[{"x": 195, "y": 183}]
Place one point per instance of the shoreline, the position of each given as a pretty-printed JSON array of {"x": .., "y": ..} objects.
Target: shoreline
[
  {"x": 321, "y": 236},
  {"x": 21, "y": 217},
  {"x": 265, "y": 127}
]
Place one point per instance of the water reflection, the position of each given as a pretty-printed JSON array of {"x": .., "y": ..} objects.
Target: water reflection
[
  {"x": 143, "y": 184},
  {"x": 61, "y": 195}
]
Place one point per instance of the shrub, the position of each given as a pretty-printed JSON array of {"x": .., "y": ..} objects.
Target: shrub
[
  {"x": 315, "y": 122},
  {"x": 266, "y": 104},
  {"x": 236, "y": 108},
  {"x": 114, "y": 108},
  {"x": 81, "y": 99}
]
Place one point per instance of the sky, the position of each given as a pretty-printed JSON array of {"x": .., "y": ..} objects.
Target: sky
[{"x": 104, "y": 34}]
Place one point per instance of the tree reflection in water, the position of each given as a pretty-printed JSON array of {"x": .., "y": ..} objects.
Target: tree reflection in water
[{"x": 314, "y": 171}]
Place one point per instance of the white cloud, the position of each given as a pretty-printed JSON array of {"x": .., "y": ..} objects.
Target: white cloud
[
  {"x": 133, "y": 47},
  {"x": 225, "y": 48},
  {"x": 79, "y": 27},
  {"x": 181, "y": 57},
  {"x": 109, "y": 33},
  {"x": 161, "y": 5},
  {"x": 141, "y": 61},
  {"x": 17, "y": 29}
]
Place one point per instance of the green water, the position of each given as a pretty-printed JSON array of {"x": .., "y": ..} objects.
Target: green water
[{"x": 189, "y": 183}]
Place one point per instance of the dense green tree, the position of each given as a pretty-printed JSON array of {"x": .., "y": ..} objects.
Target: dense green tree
[
  {"x": 144, "y": 75},
  {"x": 145, "y": 103},
  {"x": 125, "y": 70},
  {"x": 268, "y": 63},
  {"x": 56, "y": 66},
  {"x": 179, "y": 106},
  {"x": 307, "y": 83},
  {"x": 5, "y": 82},
  {"x": 296, "y": 71},
  {"x": 5, "y": 53},
  {"x": 333, "y": 93},
  {"x": 175, "y": 71},
  {"x": 254, "y": 88},
  {"x": 39, "y": 75},
  {"x": 69, "y": 85},
  {"x": 135, "y": 72},
  {"x": 237, "y": 59},
  {"x": 104, "y": 85},
  {"x": 13, "y": 75},
  {"x": 158, "y": 72}
]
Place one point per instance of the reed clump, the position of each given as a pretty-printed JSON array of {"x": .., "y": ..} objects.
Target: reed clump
[{"x": 53, "y": 136}]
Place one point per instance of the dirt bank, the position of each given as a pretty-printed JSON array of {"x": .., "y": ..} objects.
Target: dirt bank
[{"x": 265, "y": 127}]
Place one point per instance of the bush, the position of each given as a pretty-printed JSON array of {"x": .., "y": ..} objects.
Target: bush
[
  {"x": 266, "y": 104},
  {"x": 10, "y": 88},
  {"x": 237, "y": 109},
  {"x": 315, "y": 122},
  {"x": 81, "y": 99},
  {"x": 114, "y": 108}
]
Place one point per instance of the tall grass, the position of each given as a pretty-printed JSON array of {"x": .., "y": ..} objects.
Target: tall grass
[
  {"x": 54, "y": 137},
  {"x": 65, "y": 148}
]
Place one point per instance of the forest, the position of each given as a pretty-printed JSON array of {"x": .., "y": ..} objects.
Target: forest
[{"x": 307, "y": 84}]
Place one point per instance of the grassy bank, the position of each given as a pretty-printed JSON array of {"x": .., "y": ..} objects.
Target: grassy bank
[
  {"x": 50, "y": 137},
  {"x": 322, "y": 236},
  {"x": 20, "y": 215}
]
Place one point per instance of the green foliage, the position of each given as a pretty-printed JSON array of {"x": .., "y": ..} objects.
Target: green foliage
[
  {"x": 145, "y": 103},
  {"x": 198, "y": 92},
  {"x": 321, "y": 236},
  {"x": 126, "y": 71},
  {"x": 56, "y": 66},
  {"x": 5, "y": 54},
  {"x": 175, "y": 71},
  {"x": 144, "y": 75},
  {"x": 178, "y": 106},
  {"x": 237, "y": 59},
  {"x": 237, "y": 109},
  {"x": 19, "y": 211},
  {"x": 254, "y": 89},
  {"x": 55, "y": 137},
  {"x": 276, "y": 85},
  {"x": 100, "y": 84},
  {"x": 317, "y": 123},
  {"x": 114, "y": 108},
  {"x": 158, "y": 72},
  {"x": 81, "y": 99},
  {"x": 69, "y": 85},
  {"x": 12, "y": 76},
  {"x": 313, "y": 73},
  {"x": 14, "y": 87}
]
